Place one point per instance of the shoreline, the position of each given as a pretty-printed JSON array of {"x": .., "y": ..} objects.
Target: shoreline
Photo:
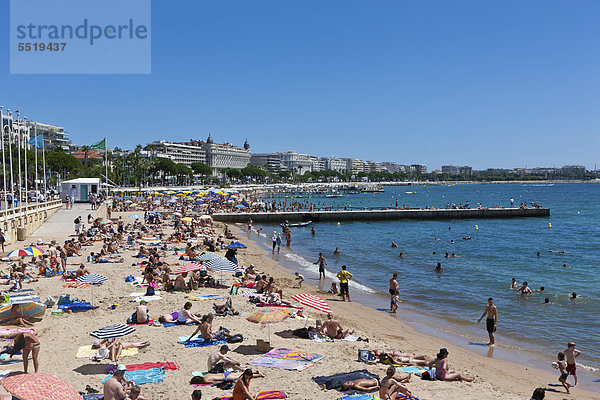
[{"x": 520, "y": 377}]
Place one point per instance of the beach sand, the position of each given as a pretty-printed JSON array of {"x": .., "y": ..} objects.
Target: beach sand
[{"x": 61, "y": 336}]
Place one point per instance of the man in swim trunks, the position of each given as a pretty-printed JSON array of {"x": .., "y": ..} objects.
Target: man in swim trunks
[
  {"x": 492, "y": 319},
  {"x": 321, "y": 262},
  {"x": 332, "y": 328},
  {"x": 393, "y": 291},
  {"x": 115, "y": 387}
]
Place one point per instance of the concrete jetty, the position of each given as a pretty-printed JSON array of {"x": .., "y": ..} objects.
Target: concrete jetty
[{"x": 382, "y": 215}]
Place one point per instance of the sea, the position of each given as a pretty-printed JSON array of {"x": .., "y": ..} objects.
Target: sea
[{"x": 498, "y": 250}]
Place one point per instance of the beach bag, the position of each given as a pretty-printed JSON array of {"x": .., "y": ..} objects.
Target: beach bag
[
  {"x": 64, "y": 299},
  {"x": 235, "y": 339},
  {"x": 365, "y": 356},
  {"x": 130, "y": 278},
  {"x": 5, "y": 298},
  {"x": 49, "y": 301},
  {"x": 428, "y": 375},
  {"x": 149, "y": 291}
]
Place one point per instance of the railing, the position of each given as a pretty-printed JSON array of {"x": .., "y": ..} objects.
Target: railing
[{"x": 29, "y": 209}]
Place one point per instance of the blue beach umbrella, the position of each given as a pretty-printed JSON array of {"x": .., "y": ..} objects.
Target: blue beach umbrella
[
  {"x": 236, "y": 245},
  {"x": 207, "y": 257},
  {"x": 222, "y": 265},
  {"x": 135, "y": 216},
  {"x": 240, "y": 206}
]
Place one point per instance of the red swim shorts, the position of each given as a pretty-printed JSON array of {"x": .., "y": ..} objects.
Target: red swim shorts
[{"x": 571, "y": 368}]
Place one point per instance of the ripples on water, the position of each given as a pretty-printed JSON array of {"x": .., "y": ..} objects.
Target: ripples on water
[{"x": 497, "y": 251}]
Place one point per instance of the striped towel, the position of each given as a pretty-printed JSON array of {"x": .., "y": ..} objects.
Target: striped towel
[
  {"x": 88, "y": 352},
  {"x": 77, "y": 285}
]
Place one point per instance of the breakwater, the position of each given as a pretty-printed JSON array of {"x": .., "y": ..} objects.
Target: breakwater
[{"x": 382, "y": 215}]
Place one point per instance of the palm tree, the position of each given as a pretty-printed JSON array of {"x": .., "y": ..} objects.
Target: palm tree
[{"x": 86, "y": 149}]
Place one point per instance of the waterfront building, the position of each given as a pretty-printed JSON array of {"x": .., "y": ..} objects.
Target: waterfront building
[
  {"x": 334, "y": 164},
  {"x": 177, "y": 152},
  {"x": 55, "y": 137},
  {"x": 354, "y": 166},
  {"x": 297, "y": 162},
  {"x": 418, "y": 169},
  {"x": 222, "y": 156},
  {"x": 266, "y": 161}
]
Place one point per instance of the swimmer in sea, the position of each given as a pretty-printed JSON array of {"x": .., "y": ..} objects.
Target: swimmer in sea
[
  {"x": 454, "y": 255},
  {"x": 524, "y": 289},
  {"x": 394, "y": 244},
  {"x": 514, "y": 284},
  {"x": 436, "y": 239},
  {"x": 401, "y": 255},
  {"x": 566, "y": 266},
  {"x": 447, "y": 255},
  {"x": 467, "y": 237},
  {"x": 539, "y": 254},
  {"x": 573, "y": 296},
  {"x": 439, "y": 267},
  {"x": 336, "y": 252},
  {"x": 452, "y": 241},
  {"x": 547, "y": 301},
  {"x": 434, "y": 253}
]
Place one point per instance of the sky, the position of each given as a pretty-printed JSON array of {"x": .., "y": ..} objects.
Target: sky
[{"x": 493, "y": 84}]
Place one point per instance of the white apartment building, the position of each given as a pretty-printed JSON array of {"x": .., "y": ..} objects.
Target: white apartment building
[
  {"x": 354, "y": 166},
  {"x": 179, "y": 153},
  {"x": 222, "y": 156},
  {"x": 334, "y": 164},
  {"x": 297, "y": 162}
]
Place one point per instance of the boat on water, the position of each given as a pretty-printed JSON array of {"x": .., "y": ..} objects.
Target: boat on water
[
  {"x": 331, "y": 195},
  {"x": 297, "y": 224},
  {"x": 373, "y": 189}
]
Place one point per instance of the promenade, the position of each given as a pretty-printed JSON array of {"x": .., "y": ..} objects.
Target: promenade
[{"x": 382, "y": 215}]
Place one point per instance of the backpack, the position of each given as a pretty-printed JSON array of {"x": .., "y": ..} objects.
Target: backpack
[{"x": 149, "y": 291}]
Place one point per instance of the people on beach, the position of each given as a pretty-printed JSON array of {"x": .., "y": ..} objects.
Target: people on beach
[
  {"x": 361, "y": 385},
  {"x": 333, "y": 289},
  {"x": 442, "y": 370},
  {"x": 197, "y": 394},
  {"x": 321, "y": 262},
  {"x": 299, "y": 279},
  {"x": 332, "y": 328},
  {"x": 241, "y": 390},
  {"x": 135, "y": 393},
  {"x": 492, "y": 319},
  {"x": 390, "y": 387},
  {"x": 219, "y": 362},
  {"x": 26, "y": 343},
  {"x": 344, "y": 276},
  {"x": 116, "y": 387},
  {"x": 205, "y": 329},
  {"x": 394, "y": 291},
  {"x": 564, "y": 374},
  {"x": 571, "y": 353}
]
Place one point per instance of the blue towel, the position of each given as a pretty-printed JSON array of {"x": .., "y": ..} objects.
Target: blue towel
[
  {"x": 95, "y": 396},
  {"x": 168, "y": 324},
  {"x": 200, "y": 343},
  {"x": 144, "y": 376},
  {"x": 78, "y": 306}
]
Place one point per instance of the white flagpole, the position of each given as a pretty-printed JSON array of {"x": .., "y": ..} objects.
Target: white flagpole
[
  {"x": 36, "y": 162},
  {"x": 44, "y": 165},
  {"x": 3, "y": 164},
  {"x": 19, "y": 157},
  {"x": 24, "y": 126},
  {"x": 12, "y": 180},
  {"x": 106, "y": 164}
]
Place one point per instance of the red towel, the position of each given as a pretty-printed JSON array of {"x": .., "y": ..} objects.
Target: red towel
[
  {"x": 149, "y": 365},
  {"x": 149, "y": 322}
]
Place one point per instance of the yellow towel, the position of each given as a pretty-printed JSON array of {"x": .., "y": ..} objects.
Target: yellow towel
[{"x": 88, "y": 352}]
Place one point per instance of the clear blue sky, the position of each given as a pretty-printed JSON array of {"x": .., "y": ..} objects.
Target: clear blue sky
[{"x": 480, "y": 83}]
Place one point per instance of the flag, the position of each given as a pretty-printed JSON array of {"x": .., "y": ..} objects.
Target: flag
[
  {"x": 99, "y": 145},
  {"x": 37, "y": 141}
]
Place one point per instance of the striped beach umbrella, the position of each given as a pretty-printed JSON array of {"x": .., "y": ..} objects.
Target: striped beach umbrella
[
  {"x": 19, "y": 253},
  {"x": 312, "y": 301},
  {"x": 222, "y": 265},
  {"x": 207, "y": 257},
  {"x": 27, "y": 309},
  {"x": 268, "y": 316},
  {"x": 112, "y": 331},
  {"x": 189, "y": 267},
  {"x": 91, "y": 278},
  {"x": 40, "y": 386},
  {"x": 94, "y": 279},
  {"x": 149, "y": 239}
]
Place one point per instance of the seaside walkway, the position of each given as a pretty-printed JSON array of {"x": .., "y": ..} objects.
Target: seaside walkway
[
  {"x": 61, "y": 222},
  {"x": 382, "y": 215},
  {"x": 18, "y": 222}
]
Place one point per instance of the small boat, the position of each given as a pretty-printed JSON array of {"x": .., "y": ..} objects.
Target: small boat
[
  {"x": 410, "y": 192},
  {"x": 334, "y": 195},
  {"x": 297, "y": 224}
]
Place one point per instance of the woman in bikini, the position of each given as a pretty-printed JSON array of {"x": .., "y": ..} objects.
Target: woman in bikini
[
  {"x": 390, "y": 386},
  {"x": 361, "y": 385},
  {"x": 442, "y": 371},
  {"x": 27, "y": 343}
]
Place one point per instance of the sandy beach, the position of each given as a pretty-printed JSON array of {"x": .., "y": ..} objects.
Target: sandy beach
[{"x": 61, "y": 337}]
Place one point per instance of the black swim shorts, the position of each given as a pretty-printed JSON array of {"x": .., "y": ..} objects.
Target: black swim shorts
[
  {"x": 490, "y": 322},
  {"x": 343, "y": 288},
  {"x": 392, "y": 292}
]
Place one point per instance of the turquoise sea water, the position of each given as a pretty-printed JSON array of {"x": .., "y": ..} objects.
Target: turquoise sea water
[{"x": 498, "y": 251}]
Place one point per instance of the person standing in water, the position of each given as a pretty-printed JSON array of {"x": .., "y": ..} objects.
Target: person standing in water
[
  {"x": 393, "y": 291},
  {"x": 321, "y": 262},
  {"x": 492, "y": 319}
]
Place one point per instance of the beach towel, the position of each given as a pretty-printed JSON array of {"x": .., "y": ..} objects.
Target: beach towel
[
  {"x": 170, "y": 324},
  {"x": 149, "y": 365},
  {"x": 149, "y": 322},
  {"x": 206, "y": 297},
  {"x": 325, "y": 338},
  {"x": 335, "y": 381},
  {"x": 411, "y": 370},
  {"x": 142, "y": 377},
  {"x": 17, "y": 330},
  {"x": 142, "y": 294},
  {"x": 78, "y": 306},
  {"x": 292, "y": 360},
  {"x": 88, "y": 352},
  {"x": 198, "y": 341},
  {"x": 264, "y": 395},
  {"x": 147, "y": 298},
  {"x": 359, "y": 397},
  {"x": 76, "y": 285},
  {"x": 95, "y": 396},
  {"x": 5, "y": 359}
]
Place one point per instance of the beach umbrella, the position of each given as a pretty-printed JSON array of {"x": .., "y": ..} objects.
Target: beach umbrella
[
  {"x": 268, "y": 316},
  {"x": 149, "y": 240},
  {"x": 112, "y": 331},
  {"x": 189, "y": 267},
  {"x": 34, "y": 250},
  {"x": 40, "y": 386},
  {"x": 236, "y": 245},
  {"x": 135, "y": 216},
  {"x": 177, "y": 214},
  {"x": 312, "y": 301},
  {"x": 28, "y": 309},
  {"x": 207, "y": 257},
  {"x": 221, "y": 264},
  {"x": 240, "y": 206},
  {"x": 94, "y": 279},
  {"x": 187, "y": 219},
  {"x": 19, "y": 253}
]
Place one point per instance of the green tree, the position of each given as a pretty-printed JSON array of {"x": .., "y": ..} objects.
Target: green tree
[
  {"x": 202, "y": 169},
  {"x": 62, "y": 163}
]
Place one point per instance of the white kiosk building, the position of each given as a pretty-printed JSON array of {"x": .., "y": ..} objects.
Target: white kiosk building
[{"x": 79, "y": 189}]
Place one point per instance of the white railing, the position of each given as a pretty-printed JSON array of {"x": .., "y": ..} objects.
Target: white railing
[{"x": 31, "y": 209}]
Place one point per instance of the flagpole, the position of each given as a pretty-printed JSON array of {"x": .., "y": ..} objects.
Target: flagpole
[
  {"x": 12, "y": 180},
  {"x": 106, "y": 164},
  {"x": 44, "y": 165},
  {"x": 4, "y": 164},
  {"x": 20, "y": 184},
  {"x": 24, "y": 126},
  {"x": 36, "y": 162}
]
